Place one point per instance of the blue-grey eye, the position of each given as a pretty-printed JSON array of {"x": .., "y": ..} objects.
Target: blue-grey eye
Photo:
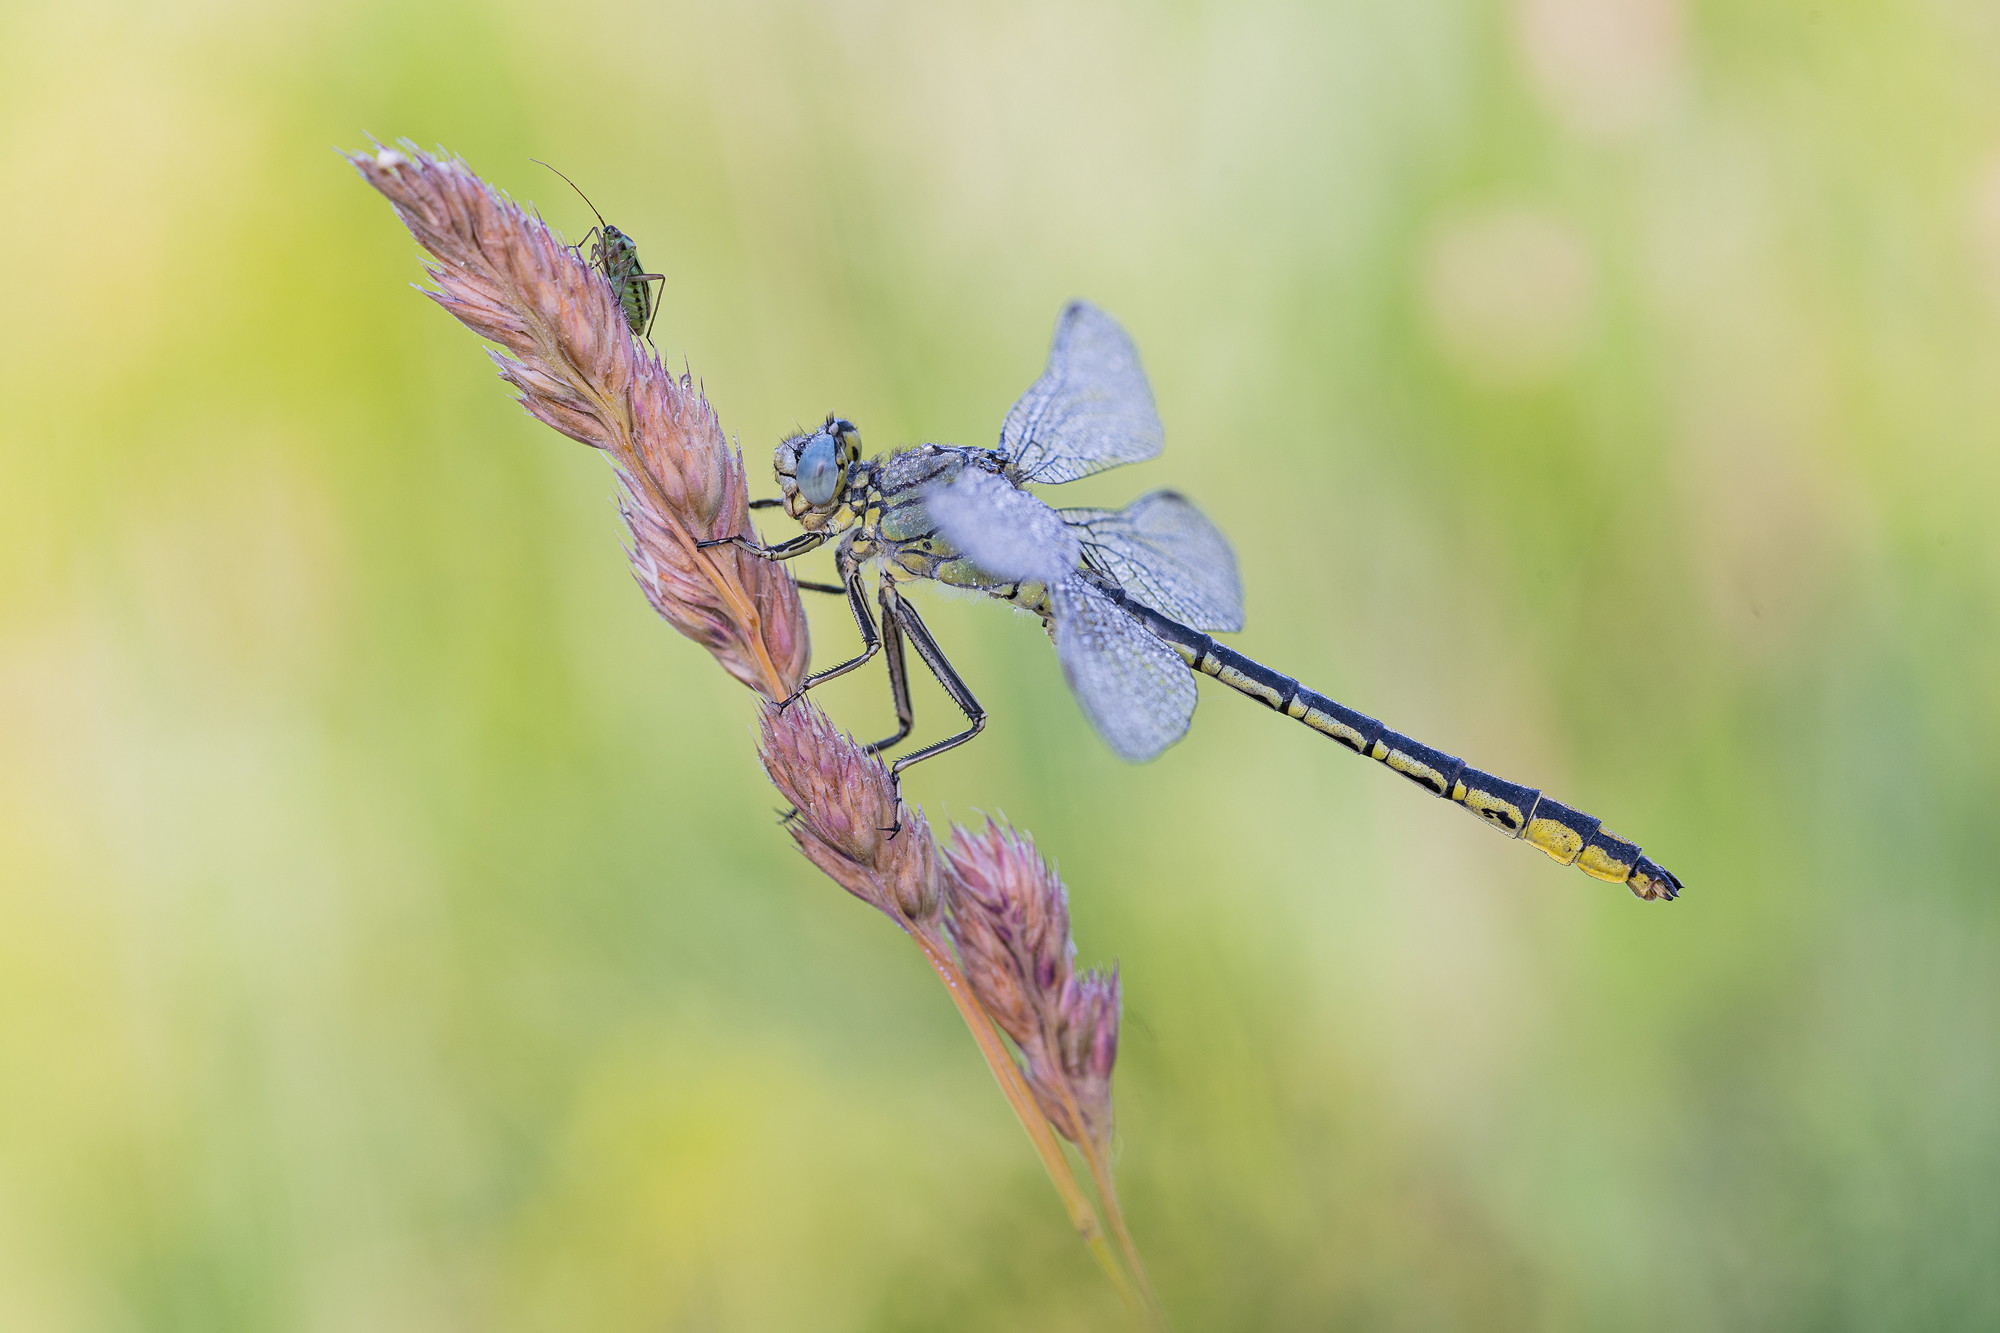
[{"x": 819, "y": 470}]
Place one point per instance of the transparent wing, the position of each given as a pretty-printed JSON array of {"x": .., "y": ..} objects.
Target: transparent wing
[
  {"x": 1137, "y": 693},
  {"x": 1002, "y": 529},
  {"x": 1165, "y": 553},
  {"x": 1091, "y": 409}
]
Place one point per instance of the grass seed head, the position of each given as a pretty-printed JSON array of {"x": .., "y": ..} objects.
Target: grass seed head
[
  {"x": 1010, "y": 919},
  {"x": 849, "y": 821},
  {"x": 564, "y": 344}
]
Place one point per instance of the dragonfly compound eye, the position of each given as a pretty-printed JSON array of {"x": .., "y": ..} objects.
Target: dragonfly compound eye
[{"x": 820, "y": 470}]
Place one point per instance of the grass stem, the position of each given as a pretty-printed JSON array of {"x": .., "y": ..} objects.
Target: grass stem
[{"x": 1040, "y": 1133}]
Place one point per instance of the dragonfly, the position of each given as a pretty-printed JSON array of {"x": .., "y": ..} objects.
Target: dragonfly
[{"x": 1131, "y": 597}]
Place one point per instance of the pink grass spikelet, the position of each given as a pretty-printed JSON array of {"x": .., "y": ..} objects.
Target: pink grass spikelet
[
  {"x": 849, "y": 822},
  {"x": 1009, "y": 916},
  {"x": 1090, "y": 1007},
  {"x": 1010, "y": 920},
  {"x": 565, "y": 347}
]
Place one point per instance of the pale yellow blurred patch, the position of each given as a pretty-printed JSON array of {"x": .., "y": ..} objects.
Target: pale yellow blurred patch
[
  {"x": 683, "y": 1174},
  {"x": 1508, "y": 290},
  {"x": 1756, "y": 434},
  {"x": 1764, "y": 531},
  {"x": 1605, "y": 68},
  {"x": 1984, "y": 224},
  {"x": 238, "y": 573}
]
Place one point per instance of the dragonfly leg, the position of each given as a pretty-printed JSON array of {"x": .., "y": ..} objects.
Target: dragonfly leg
[
  {"x": 799, "y": 545},
  {"x": 912, "y": 624},
  {"x": 766, "y": 504},
  {"x": 864, "y": 620},
  {"x": 807, "y": 585},
  {"x": 899, "y": 672}
]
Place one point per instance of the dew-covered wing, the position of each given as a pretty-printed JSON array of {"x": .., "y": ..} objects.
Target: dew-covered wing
[
  {"x": 1164, "y": 552},
  {"x": 1091, "y": 409},
  {"x": 1134, "y": 689},
  {"x": 1002, "y": 529}
]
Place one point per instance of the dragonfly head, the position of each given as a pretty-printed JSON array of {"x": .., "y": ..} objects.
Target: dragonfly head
[{"x": 812, "y": 470}]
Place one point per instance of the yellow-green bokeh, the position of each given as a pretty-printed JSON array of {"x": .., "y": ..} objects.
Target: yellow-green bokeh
[{"x": 394, "y": 931}]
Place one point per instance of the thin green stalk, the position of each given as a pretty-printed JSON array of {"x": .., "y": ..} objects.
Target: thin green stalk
[
  {"x": 1008, "y": 1074},
  {"x": 1107, "y": 1194}
]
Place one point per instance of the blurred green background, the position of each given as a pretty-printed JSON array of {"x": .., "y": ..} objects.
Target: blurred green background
[{"x": 394, "y": 931}]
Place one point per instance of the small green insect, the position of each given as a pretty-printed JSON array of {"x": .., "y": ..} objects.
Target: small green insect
[{"x": 616, "y": 256}]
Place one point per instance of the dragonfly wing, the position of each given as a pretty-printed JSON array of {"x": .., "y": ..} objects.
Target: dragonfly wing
[
  {"x": 1132, "y": 687},
  {"x": 1091, "y": 409},
  {"x": 1002, "y": 529},
  {"x": 1163, "y": 551}
]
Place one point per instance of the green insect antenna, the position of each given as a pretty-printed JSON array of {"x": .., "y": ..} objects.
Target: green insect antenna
[{"x": 574, "y": 186}]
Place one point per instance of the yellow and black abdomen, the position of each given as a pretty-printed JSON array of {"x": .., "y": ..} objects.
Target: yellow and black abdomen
[{"x": 1565, "y": 834}]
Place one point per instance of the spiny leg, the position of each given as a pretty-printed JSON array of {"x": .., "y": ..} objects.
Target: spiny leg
[
  {"x": 766, "y": 504},
  {"x": 899, "y": 672},
  {"x": 864, "y": 620},
  {"x": 803, "y": 585},
  {"x": 651, "y": 299},
  {"x": 912, "y": 624},
  {"x": 797, "y": 546}
]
